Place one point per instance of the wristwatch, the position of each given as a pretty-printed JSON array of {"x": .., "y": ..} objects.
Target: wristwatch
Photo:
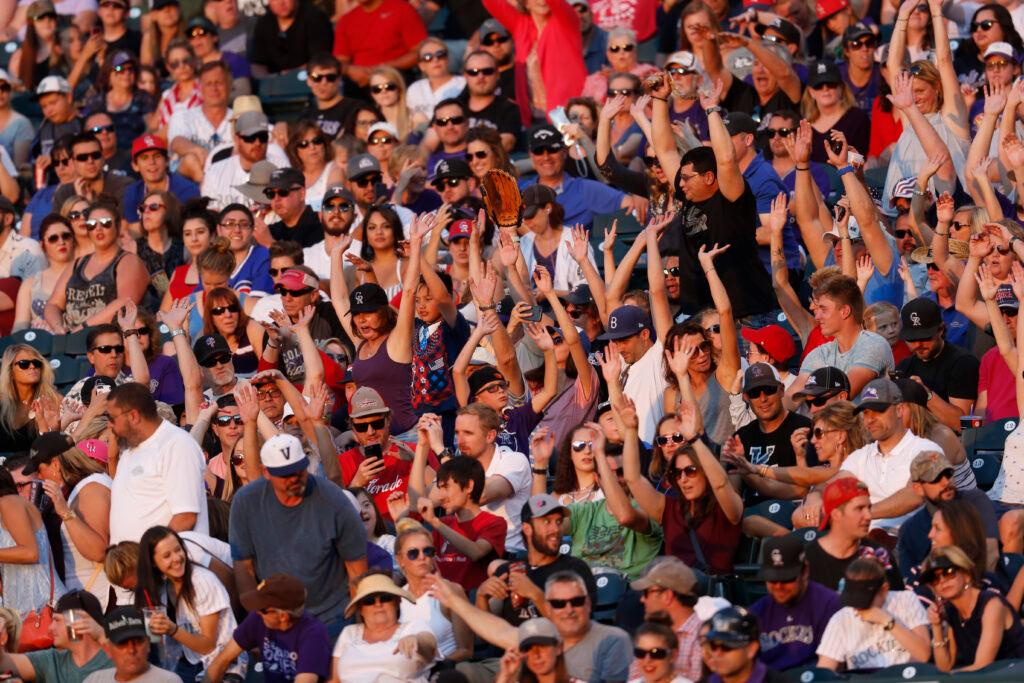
[
  {"x": 890, "y": 626},
  {"x": 445, "y": 454},
  {"x": 177, "y": 333},
  {"x": 711, "y": 110},
  {"x": 130, "y": 333},
  {"x": 70, "y": 515}
]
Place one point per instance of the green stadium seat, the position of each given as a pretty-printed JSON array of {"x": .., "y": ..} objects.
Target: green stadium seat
[
  {"x": 986, "y": 466},
  {"x": 611, "y": 586},
  {"x": 66, "y": 370},
  {"x": 283, "y": 95},
  {"x": 811, "y": 674},
  {"x": 40, "y": 340},
  {"x": 990, "y": 437},
  {"x": 913, "y": 671}
]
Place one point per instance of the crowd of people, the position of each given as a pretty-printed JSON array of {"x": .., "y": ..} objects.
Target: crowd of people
[{"x": 280, "y": 400}]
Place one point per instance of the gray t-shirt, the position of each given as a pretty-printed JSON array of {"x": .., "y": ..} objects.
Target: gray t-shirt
[
  {"x": 152, "y": 675},
  {"x": 870, "y": 351},
  {"x": 311, "y": 541},
  {"x": 604, "y": 654}
]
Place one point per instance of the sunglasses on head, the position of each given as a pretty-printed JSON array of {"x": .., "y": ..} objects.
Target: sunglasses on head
[
  {"x": 366, "y": 180},
  {"x": 53, "y": 238},
  {"x": 94, "y": 223},
  {"x": 758, "y": 392},
  {"x": 378, "y": 598},
  {"x": 294, "y": 293},
  {"x": 616, "y": 49},
  {"x": 271, "y": 193},
  {"x": 614, "y": 92},
  {"x": 577, "y": 601},
  {"x": 109, "y": 348},
  {"x": 982, "y": 25},
  {"x": 221, "y": 310},
  {"x": 664, "y": 439},
  {"x": 319, "y": 141},
  {"x": 214, "y": 361},
  {"x": 414, "y": 553},
  {"x": 580, "y": 446},
  {"x": 27, "y": 363},
  {"x": 262, "y": 137},
  {"x": 96, "y": 130},
  {"x": 89, "y": 156},
  {"x": 225, "y": 420},
  {"x": 861, "y": 43},
  {"x": 377, "y": 425},
  {"x": 820, "y": 401},
  {"x": 432, "y": 56},
  {"x": 336, "y": 207},
  {"x": 330, "y": 77},
  {"x": 781, "y": 132},
  {"x": 383, "y": 87},
  {"x": 658, "y": 653},
  {"x": 479, "y": 154},
  {"x": 450, "y": 120},
  {"x": 483, "y": 71},
  {"x": 152, "y": 207},
  {"x": 494, "y": 39}
]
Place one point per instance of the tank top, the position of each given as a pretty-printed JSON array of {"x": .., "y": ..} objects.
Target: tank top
[
  {"x": 968, "y": 632},
  {"x": 78, "y": 570},
  {"x": 393, "y": 381},
  {"x": 86, "y": 297},
  {"x": 714, "y": 409},
  {"x": 427, "y": 610},
  {"x": 178, "y": 288}
]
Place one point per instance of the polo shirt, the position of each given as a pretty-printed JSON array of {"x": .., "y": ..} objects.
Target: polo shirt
[
  {"x": 582, "y": 198},
  {"x": 57, "y": 666},
  {"x": 180, "y": 186}
]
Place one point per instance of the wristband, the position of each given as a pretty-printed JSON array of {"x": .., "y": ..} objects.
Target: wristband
[
  {"x": 541, "y": 472},
  {"x": 713, "y": 110},
  {"x": 803, "y": 168},
  {"x": 272, "y": 345},
  {"x": 890, "y": 626},
  {"x": 130, "y": 333},
  {"x": 177, "y": 333},
  {"x": 846, "y": 169},
  {"x": 690, "y": 442},
  {"x": 491, "y": 307},
  {"x": 445, "y": 454},
  {"x": 171, "y": 634},
  {"x": 663, "y": 99}
]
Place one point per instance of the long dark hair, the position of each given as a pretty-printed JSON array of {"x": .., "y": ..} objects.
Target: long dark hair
[
  {"x": 7, "y": 485},
  {"x": 379, "y": 527},
  {"x": 566, "y": 480},
  {"x": 391, "y": 216},
  {"x": 150, "y": 580},
  {"x": 967, "y": 531},
  {"x": 30, "y": 48},
  {"x": 1005, "y": 21}
]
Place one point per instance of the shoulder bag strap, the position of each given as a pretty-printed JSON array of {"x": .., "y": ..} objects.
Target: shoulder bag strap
[{"x": 695, "y": 542}]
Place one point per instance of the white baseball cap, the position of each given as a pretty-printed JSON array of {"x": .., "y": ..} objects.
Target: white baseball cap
[
  {"x": 282, "y": 456},
  {"x": 53, "y": 84},
  {"x": 682, "y": 58},
  {"x": 1000, "y": 48}
]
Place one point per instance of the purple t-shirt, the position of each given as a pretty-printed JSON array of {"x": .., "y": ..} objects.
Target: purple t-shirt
[
  {"x": 790, "y": 635},
  {"x": 304, "y": 648},
  {"x": 519, "y": 422}
]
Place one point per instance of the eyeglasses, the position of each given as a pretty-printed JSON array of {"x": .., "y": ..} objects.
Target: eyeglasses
[
  {"x": 94, "y": 223},
  {"x": 151, "y": 207},
  {"x": 271, "y": 193},
  {"x": 862, "y": 43},
  {"x": 383, "y": 87},
  {"x": 758, "y": 392},
  {"x": 294, "y": 293},
  {"x": 485, "y": 71},
  {"x": 27, "y": 363},
  {"x": 221, "y": 310},
  {"x": 982, "y": 25},
  {"x": 713, "y": 329},
  {"x": 658, "y": 653},
  {"x": 822, "y": 400},
  {"x": 124, "y": 67},
  {"x": 371, "y": 179},
  {"x": 414, "y": 553},
  {"x": 219, "y": 359},
  {"x": 59, "y": 237},
  {"x": 330, "y": 77},
  {"x": 546, "y": 149},
  {"x": 225, "y": 420},
  {"x": 336, "y": 207},
  {"x": 385, "y": 140},
  {"x": 442, "y": 183},
  {"x": 109, "y": 348},
  {"x": 665, "y": 438},
  {"x": 236, "y": 224},
  {"x": 671, "y": 272},
  {"x": 614, "y": 92},
  {"x": 681, "y": 71},
  {"x": 494, "y": 39},
  {"x": 781, "y": 132},
  {"x": 432, "y": 56},
  {"x": 268, "y": 394},
  {"x": 577, "y": 601},
  {"x": 96, "y": 130},
  {"x": 89, "y": 156},
  {"x": 690, "y": 471},
  {"x": 263, "y": 137},
  {"x": 377, "y": 425},
  {"x": 312, "y": 141},
  {"x": 379, "y": 598},
  {"x": 616, "y": 49},
  {"x": 823, "y": 86},
  {"x": 580, "y": 446},
  {"x": 997, "y": 64},
  {"x": 494, "y": 387},
  {"x": 450, "y": 120},
  {"x": 198, "y": 32}
]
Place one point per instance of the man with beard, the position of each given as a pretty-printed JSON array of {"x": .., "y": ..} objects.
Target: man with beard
[
  {"x": 948, "y": 372},
  {"x": 931, "y": 477},
  {"x": 337, "y": 214},
  {"x": 796, "y": 610},
  {"x": 496, "y": 41},
  {"x": 222, "y": 178}
]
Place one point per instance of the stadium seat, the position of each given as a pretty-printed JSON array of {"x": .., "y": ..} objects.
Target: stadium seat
[
  {"x": 66, "y": 370},
  {"x": 6, "y": 50},
  {"x": 626, "y": 231},
  {"x": 990, "y": 437},
  {"x": 611, "y": 586},
  {"x": 778, "y": 511},
  {"x": 986, "y": 467},
  {"x": 810, "y": 674},
  {"x": 1011, "y": 564},
  {"x": 75, "y": 343},
  {"x": 908, "y": 672},
  {"x": 40, "y": 340},
  {"x": 283, "y": 95}
]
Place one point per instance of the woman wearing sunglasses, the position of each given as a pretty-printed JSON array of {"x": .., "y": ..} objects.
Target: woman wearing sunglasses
[
  {"x": 99, "y": 284},
  {"x": 133, "y": 111},
  {"x": 74, "y": 209},
  {"x": 25, "y": 377},
  {"x": 828, "y": 105},
  {"x": 387, "y": 90},
  {"x": 223, "y": 315},
  {"x": 971, "y": 626},
  {"x": 484, "y": 151},
  {"x": 990, "y": 23},
  {"x": 160, "y": 247},
  {"x": 380, "y": 645},
  {"x": 414, "y": 552},
  {"x": 198, "y": 226},
  {"x": 58, "y": 243},
  {"x": 183, "y": 65},
  {"x": 164, "y": 376},
  {"x": 576, "y": 479},
  {"x": 655, "y": 646},
  {"x": 309, "y": 150},
  {"x": 224, "y": 419}
]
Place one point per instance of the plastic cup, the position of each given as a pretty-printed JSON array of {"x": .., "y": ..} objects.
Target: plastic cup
[
  {"x": 147, "y": 615},
  {"x": 70, "y": 617}
]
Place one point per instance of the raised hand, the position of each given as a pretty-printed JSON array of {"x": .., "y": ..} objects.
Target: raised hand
[
  {"x": 657, "y": 225},
  {"x": 489, "y": 323},
  {"x": 930, "y": 168},
  {"x": 710, "y": 98},
  {"x": 707, "y": 256},
  {"x": 248, "y": 402},
  {"x": 540, "y": 336},
  {"x": 542, "y": 446},
  {"x": 625, "y": 410},
  {"x": 611, "y": 364},
  {"x": 799, "y": 144},
  {"x": 904, "y": 271},
  {"x": 902, "y": 96},
  {"x": 842, "y": 158},
  {"x": 690, "y": 422},
  {"x": 127, "y": 315},
  {"x": 987, "y": 285},
  {"x": 316, "y": 399},
  {"x": 609, "y": 236},
  {"x": 398, "y": 504},
  {"x": 613, "y": 106},
  {"x": 542, "y": 278},
  {"x": 1013, "y": 148},
  {"x": 945, "y": 207},
  {"x": 638, "y": 110},
  {"x": 780, "y": 213},
  {"x": 678, "y": 358},
  {"x": 1017, "y": 279},
  {"x": 483, "y": 288},
  {"x": 177, "y": 315},
  {"x": 865, "y": 268},
  {"x": 981, "y": 245},
  {"x": 579, "y": 248},
  {"x": 995, "y": 98},
  {"x": 341, "y": 246},
  {"x": 508, "y": 250},
  {"x": 658, "y": 85},
  {"x": 360, "y": 264}
]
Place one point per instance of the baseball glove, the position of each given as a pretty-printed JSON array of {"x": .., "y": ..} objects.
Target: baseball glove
[{"x": 502, "y": 200}]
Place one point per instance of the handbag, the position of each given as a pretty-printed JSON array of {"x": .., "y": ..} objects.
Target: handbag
[{"x": 35, "y": 629}]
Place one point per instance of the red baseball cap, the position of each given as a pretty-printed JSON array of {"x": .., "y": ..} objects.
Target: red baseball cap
[
  {"x": 826, "y": 8},
  {"x": 146, "y": 142},
  {"x": 839, "y": 492},
  {"x": 773, "y": 339},
  {"x": 294, "y": 279},
  {"x": 460, "y": 228}
]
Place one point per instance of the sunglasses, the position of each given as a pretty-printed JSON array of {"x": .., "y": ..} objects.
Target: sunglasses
[
  {"x": 714, "y": 329},
  {"x": 366, "y": 180},
  {"x": 312, "y": 141},
  {"x": 704, "y": 347},
  {"x": 781, "y": 132},
  {"x": 221, "y": 310},
  {"x": 758, "y": 392},
  {"x": 651, "y": 162},
  {"x": 178, "y": 63},
  {"x": 819, "y": 432},
  {"x": 689, "y": 471},
  {"x": 263, "y": 137},
  {"x": 577, "y": 601},
  {"x": 718, "y": 646},
  {"x": 274, "y": 272},
  {"x": 96, "y": 130},
  {"x": 89, "y": 156},
  {"x": 658, "y": 653},
  {"x": 142, "y": 332},
  {"x": 238, "y": 460},
  {"x": 480, "y": 154},
  {"x": 450, "y": 120},
  {"x": 494, "y": 39},
  {"x": 109, "y": 348},
  {"x": 822, "y": 400},
  {"x": 59, "y": 237},
  {"x": 681, "y": 71},
  {"x": 124, "y": 67},
  {"x": 997, "y": 64},
  {"x": 383, "y": 87},
  {"x": 198, "y": 33},
  {"x": 271, "y": 193},
  {"x": 485, "y": 71},
  {"x": 225, "y": 420},
  {"x": 386, "y": 140},
  {"x": 219, "y": 359},
  {"x": 825, "y": 86},
  {"x": 439, "y": 185},
  {"x": 664, "y": 439},
  {"x": 671, "y": 272},
  {"x": 151, "y": 207},
  {"x": 935, "y": 575},
  {"x": 900, "y": 234},
  {"x": 414, "y": 553},
  {"x": 862, "y": 43},
  {"x": 377, "y": 425},
  {"x": 616, "y": 49},
  {"x": 337, "y": 207},
  {"x": 547, "y": 149},
  {"x": 329, "y": 77},
  {"x": 25, "y": 364},
  {"x": 63, "y": 161},
  {"x": 379, "y": 598},
  {"x": 1003, "y": 250},
  {"x": 982, "y": 25},
  {"x": 614, "y": 92},
  {"x": 294, "y": 293},
  {"x": 99, "y": 223},
  {"x": 431, "y": 56},
  {"x": 580, "y": 446},
  {"x": 75, "y": 215}
]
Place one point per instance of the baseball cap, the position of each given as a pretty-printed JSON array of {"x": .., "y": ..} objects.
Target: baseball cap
[
  {"x": 124, "y": 623},
  {"x": 543, "y": 135},
  {"x": 537, "y": 631},
  {"x": 839, "y": 492},
  {"x": 733, "y": 625},
  {"x": 826, "y": 8},
  {"x": 773, "y": 339},
  {"x": 855, "y": 31},
  {"x": 160, "y": 4},
  {"x": 492, "y": 26},
  {"x": 482, "y": 377},
  {"x": 146, "y": 142},
  {"x": 824, "y": 71},
  {"x": 362, "y": 164},
  {"x": 202, "y": 22},
  {"x": 671, "y": 573},
  {"x": 366, "y": 402},
  {"x": 782, "y": 558},
  {"x": 83, "y": 600},
  {"x": 92, "y": 383},
  {"x": 251, "y": 122},
  {"x": 280, "y": 591},
  {"x": 451, "y": 168},
  {"x": 121, "y": 58},
  {"x": 760, "y": 375},
  {"x": 682, "y": 58},
  {"x": 536, "y": 196},
  {"x": 852, "y": 226},
  {"x": 787, "y": 28},
  {"x": 286, "y": 178},
  {"x": 822, "y": 381},
  {"x": 40, "y": 8},
  {"x": 45, "y": 448},
  {"x": 928, "y": 466},
  {"x": 52, "y": 84},
  {"x": 921, "y": 318},
  {"x": 904, "y": 188},
  {"x": 460, "y": 228},
  {"x": 367, "y": 298},
  {"x": 1005, "y": 298},
  {"x": 259, "y": 176},
  {"x": 210, "y": 345},
  {"x": 541, "y": 505},
  {"x": 282, "y": 455},
  {"x": 625, "y": 321},
  {"x": 1000, "y": 48},
  {"x": 382, "y": 126},
  {"x": 738, "y": 122},
  {"x": 580, "y": 295},
  {"x": 338, "y": 192},
  {"x": 95, "y": 449},
  {"x": 878, "y": 394},
  {"x": 860, "y": 593},
  {"x": 296, "y": 280}
]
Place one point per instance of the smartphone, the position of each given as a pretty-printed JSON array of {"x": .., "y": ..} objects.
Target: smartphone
[
  {"x": 840, "y": 213},
  {"x": 896, "y": 375},
  {"x": 373, "y": 451},
  {"x": 536, "y": 312},
  {"x": 836, "y": 145}
]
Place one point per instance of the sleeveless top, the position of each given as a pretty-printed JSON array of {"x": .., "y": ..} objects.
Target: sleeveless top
[
  {"x": 178, "y": 288},
  {"x": 27, "y": 586},
  {"x": 315, "y": 192},
  {"x": 714, "y": 410},
  {"x": 968, "y": 632},
  {"x": 81, "y": 573},
  {"x": 1009, "y": 485},
  {"x": 427, "y": 610},
  {"x": 393, "y": 381},
  {"x": 86, "y": 297}
]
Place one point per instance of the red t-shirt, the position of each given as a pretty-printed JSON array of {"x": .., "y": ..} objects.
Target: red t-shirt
[
  {"x": 718, "y": 537},
  {"x": 814, "y": 340},
  {"x": 394, "y": 476},
  {"x": 900, "y": 351},
  {"x": 458, "y": 568},
  {"x": 995, "y": 377},
  {"x": 885, "y": 129},
  {"x": 386, "y": 33}
]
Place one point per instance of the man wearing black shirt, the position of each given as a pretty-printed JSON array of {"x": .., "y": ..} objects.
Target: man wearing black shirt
[
  {"x": 287, "y": 35},
  {"x": 116, "y": 34},
  {"x": 484, "y": 106},
  {"x": 948, "y": 372},
  {"x": 329, "y": 108},
  {"x": 299, "y": 222},
  {"x": 59, "y": 115}
]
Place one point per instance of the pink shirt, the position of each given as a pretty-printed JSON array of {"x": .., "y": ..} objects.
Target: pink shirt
[
  {"x": 639, "y": 15},
  {"x": 995, "y": 378}
]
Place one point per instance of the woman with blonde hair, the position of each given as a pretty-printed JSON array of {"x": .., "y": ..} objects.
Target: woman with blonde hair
[
  {"x": 387, "y": 89},
  {"x": 828, "y": 104},
  {"x": 27, "y": 397},
  {"x": 438, "y": 82},
  {"x": 10, "y": 632},
  {"x": 74, "y": 209},
  {"x": 307, "y": 150},
  {"x": 215, "y": 266}
]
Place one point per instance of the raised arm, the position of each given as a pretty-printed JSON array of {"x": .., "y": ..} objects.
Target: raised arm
[
  {"x": 806, "y": 200},
  {"x": 718, "y": 480},
  {"x": 800, "y": 319},
  {"x": 1018, "y": 288},
  {"x": 730, "y": 360},
  {"x": 664, "y": 141},
  {"x": 400, "y": 340},
  {"x": 651, "y": 502},
  {"x": 623, "y": 271},
  {"x": 126, "y": 319},
  {"x": 730, "y": 179},
  {"x": 339, "y": 286},
  {"x": 902, "y": 99},
  {"x": 461, "y": 365},
  {"x": 661, "y": 311},
  {"x": 542, "y": 339},
  {"x": 617, "y": 498},
  {"x": 954, "y": 109},
  {"x": 967, "y": 292},
  {"x": 582, "y": 254},
  {"x": 191, "y": 375}
]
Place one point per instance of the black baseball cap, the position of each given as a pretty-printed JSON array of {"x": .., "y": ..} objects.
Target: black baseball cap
[
  {"x": 921, "y": 318},
  {"x": 855, "y": 31},
  {"x": 786, "y": 28},
  {"x": 580, "y": 295},
  {"x": 45, "y": 448},
  {"x": 826, "y": 380},
  {"x": 544, "y": 135},
  {"x": 451, "y": 168},
  {"x": 91, "y": 383},
  {"x": 760, "y": 375},
  {"x": 83, "y": 600},
  {"x": 734, "y": 626},
  {"x": 737, "y": 122},
  {"x": 208, "y": 346},
  {"x": 124, "y": 623},
  {"x": 860, "y": 593},
  {"x": 482, "y": 377},
  {"x": 286, "y": 178},
  {"x": 824, "y": 71},
  {"x": 782, "y": 558},
  {"x": 367, "y": 298}
]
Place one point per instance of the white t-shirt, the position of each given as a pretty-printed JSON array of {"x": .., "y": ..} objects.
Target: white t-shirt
[
  {"x": 861, "y": 645},
  {"x": 421, "y": 99},
  {"x": 193, "y": 125},
  {"x": 159, "y": 478},
  {"x": 211, "y": 598},
  {"x": 362, "y": 662},
  {"x": 889, "y": 473},
  {"x": 645, "y": 383},
  {"x": 514, "y": 467},
  {"x": 1009, "y": 485}
]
